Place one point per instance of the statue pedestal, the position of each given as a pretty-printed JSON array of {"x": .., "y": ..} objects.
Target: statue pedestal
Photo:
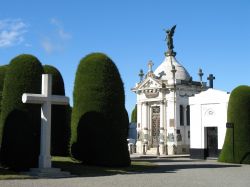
[
  {"x": 162, "y": 149},
  {"x": 171, "y": 150},
  {"x": 170, "y": 53}
]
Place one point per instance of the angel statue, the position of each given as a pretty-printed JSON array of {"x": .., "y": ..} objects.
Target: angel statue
[{"x": 169, "y": 38}]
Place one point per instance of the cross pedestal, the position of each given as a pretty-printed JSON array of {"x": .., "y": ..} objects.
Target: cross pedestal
[{"x": 46, "y": 99}]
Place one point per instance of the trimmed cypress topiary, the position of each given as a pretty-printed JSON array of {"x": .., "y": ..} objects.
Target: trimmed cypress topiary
[
  {"x": 3, "y": 70},
  {"x": 236, "y": 148},
  {"x": 134, "y": 115},
  {"x": 60, "y": 123},
  {"x": 20, "y": 123},
  {"x": 99, "y": 120}
]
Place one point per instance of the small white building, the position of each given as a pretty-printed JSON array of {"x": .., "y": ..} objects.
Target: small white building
[{"x": 208, "y": 117}]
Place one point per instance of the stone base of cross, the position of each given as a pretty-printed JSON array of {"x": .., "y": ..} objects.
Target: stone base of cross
[{"x": 46, "y": 99}]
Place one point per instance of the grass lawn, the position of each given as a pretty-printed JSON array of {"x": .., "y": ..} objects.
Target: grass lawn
[{"x": 77, "y": 169}]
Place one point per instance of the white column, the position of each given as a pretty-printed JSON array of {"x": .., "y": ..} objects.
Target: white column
[
  {"x": 144, "y": 116},
  {"x": 166, "y": 123},
  {"x": 171, "y": 117},
  {"x": 162, "y": 114},
  {"x": 139, "y": 128},
  {"x": 149, "y": 125},
  {"x": 139, "y": 116},
  {"x": 145, "y": 129}
]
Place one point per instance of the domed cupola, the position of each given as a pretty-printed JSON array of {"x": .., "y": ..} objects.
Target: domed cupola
[{"x": 164, "y": 71}]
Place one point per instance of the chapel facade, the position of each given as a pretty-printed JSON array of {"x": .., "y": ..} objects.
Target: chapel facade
[{"x": 163, "y": 111}]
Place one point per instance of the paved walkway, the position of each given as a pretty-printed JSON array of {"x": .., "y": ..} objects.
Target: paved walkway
[{"x": 172, "y": 172}]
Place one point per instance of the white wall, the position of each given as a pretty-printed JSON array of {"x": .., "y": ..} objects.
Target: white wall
[
  {"x": 207, "y": 109},
  {"x": 196, "y": 129}
]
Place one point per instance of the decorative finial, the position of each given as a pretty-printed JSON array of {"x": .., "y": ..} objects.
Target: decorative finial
[
  {"x": 211, "y": 80},
  {"x": 150, "y": 65},
  {"x": 173, "y": 70},
  {"x": 141, "y": 74},
  {"x": 200, "y": 73},
  {"x": 150, "y": 70},
  {"x": 169, "y": 39}
]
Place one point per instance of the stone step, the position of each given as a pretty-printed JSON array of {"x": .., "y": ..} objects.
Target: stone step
[{"x": 152, "y": 151}]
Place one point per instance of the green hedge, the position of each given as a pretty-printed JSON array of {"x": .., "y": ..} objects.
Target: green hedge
[
  {"x": 60, "y": 116},
  {"x": 134, "y": 115},
  {"x": 99, "y": 120},
  {"x": 20, "y": 123},
  {"x": 239, "y": 114},
  {"x": 3, "y": 70}
]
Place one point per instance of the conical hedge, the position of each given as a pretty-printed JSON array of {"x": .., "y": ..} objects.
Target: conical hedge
[
  {"x": 20, "y": 123},
  {"x": 3, "y": 70},
  {"x": 60, "y": 116},
  {"x": 134, "y": 115},
  {"x": 99, "y": 120},
  {"x": 236, "y": 148}
]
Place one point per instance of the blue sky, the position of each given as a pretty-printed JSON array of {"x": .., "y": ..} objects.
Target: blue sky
[{"x": 211, "y": 34}]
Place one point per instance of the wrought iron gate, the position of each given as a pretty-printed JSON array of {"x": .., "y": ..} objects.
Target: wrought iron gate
[{"x": 155, "y": 128}]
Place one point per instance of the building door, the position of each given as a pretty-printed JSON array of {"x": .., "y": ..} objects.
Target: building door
[
  {"x": 212, "y": 142},
  {"x": 155, "y": 130}
]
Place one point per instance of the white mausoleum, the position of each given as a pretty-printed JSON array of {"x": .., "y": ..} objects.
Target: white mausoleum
[
  {"x": 208, "y": 117},
  {"x": 163, "y": 112}
]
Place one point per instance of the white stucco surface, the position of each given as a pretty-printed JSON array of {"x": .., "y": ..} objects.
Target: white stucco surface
[
  {"x": 207, "y": 109},
  {"x": 166, "y": 67}
]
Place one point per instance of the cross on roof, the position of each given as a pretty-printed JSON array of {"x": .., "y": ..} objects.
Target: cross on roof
[
  {"x": 141, "y": 74},
  {"x": 46, "y": 99},
  {"x": 200, "y": 73},
  {"x": 211, "y": 80},
  {"x": 150, "y": 65}
]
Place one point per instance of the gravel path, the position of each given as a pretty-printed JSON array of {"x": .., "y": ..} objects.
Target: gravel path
[{"x": 176, "y": 172}]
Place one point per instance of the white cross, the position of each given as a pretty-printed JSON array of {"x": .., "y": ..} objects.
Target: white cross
[{"x": 46, "y": 99}]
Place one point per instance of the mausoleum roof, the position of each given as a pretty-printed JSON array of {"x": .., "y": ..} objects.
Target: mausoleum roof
[{"x": 164, "y": 70}]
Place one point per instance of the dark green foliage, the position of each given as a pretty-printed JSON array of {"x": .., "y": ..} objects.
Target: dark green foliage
[
  {"x": 134, "y": 115},
  {"x": 3, "y": 70},
  {"x": 60, "y": 116},
  {"x": 99, "y": 120},
  {"x": 239, "y": 114},
  {"x": 20, "y": 123},
  {"x": 126, "y": 121}
]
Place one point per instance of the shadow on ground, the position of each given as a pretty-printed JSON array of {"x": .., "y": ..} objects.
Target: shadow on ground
[
  {"x": 8, "y": 174},
  {"x": 139, "y": 166},
  {"x": 169, "y": 166},
  {"x": 80, "y": 170}
]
